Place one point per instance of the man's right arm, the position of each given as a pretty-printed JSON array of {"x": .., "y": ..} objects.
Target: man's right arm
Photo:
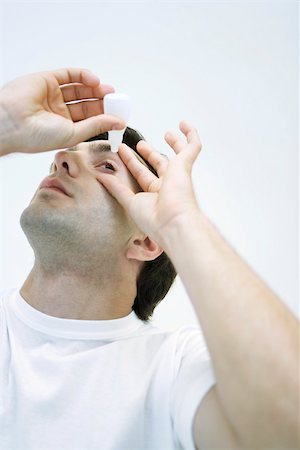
[
  {"x": 36, "y": 116},
  {"x": 6, "y": 129}
]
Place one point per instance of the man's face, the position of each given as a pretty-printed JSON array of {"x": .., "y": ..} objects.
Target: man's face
[{"x": 71, "y": 208}]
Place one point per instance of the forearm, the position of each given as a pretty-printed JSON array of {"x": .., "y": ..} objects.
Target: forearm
[{"x": 252, "y": 337}]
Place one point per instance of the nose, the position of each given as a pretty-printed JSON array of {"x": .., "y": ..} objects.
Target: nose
[{"x": 67, "y": 163}]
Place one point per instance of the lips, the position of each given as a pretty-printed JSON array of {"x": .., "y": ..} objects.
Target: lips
[{"x": 55, "y": 184}]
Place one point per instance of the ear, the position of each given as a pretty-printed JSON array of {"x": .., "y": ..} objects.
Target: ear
[{"x": 143, "y": 249}]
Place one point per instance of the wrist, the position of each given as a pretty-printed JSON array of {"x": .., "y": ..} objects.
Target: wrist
[
  {"x": 183, "y": 232},
  {"x": 8, "y": 130},
  {"x": 194, "y": 245}
]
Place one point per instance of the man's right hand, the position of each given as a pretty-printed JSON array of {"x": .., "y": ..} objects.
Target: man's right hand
[{"x": 34, "y": 116}]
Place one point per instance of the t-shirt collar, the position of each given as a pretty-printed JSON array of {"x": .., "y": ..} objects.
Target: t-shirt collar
[{"x": 74, "y": 329}]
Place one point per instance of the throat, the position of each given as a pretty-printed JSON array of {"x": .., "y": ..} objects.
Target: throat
[{"x": 103, "y": 296}]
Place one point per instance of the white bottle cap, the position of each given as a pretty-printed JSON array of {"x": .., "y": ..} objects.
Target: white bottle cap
[{"x": 117, "y": 105}]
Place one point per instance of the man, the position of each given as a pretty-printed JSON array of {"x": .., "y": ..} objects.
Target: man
[{"x": 79, "y": 369}]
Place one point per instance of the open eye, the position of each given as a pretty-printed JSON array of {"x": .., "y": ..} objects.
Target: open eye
[{"x": 107, "y": 165}]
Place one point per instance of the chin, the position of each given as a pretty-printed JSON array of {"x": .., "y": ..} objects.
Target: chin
[{"x": 39, "y": 222}]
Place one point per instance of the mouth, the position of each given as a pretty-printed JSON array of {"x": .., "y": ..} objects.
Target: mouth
[
  {"x": 54, "y": 189},
  {"x": 55, "y": 185}
]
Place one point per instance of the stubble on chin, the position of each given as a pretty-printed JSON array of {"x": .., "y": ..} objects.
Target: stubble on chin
[{"x": 66, "y": 236}]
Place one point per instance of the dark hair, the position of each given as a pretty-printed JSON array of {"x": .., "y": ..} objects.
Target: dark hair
[{"x": 157, "y": 276}]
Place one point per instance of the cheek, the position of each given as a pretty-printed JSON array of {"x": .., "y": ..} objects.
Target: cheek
[
  {"x": 34, "y": 196},
  {"x": 102, "y": 204}
]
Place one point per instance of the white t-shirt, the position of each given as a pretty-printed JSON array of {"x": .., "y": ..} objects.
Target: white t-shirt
[{"x": 116, "y": 384}]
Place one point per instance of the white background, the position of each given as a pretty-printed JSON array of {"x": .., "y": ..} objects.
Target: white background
[{"x": 230, "y": 68}]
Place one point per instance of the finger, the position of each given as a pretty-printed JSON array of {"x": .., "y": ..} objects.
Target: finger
[
  {"x": 193, "y": 146},
  {"x": 144, "y": 177},
  {"x": 175, "y": 142},
  {"x": 158, "y": 161},
  {"x": 93, "y": 126},
  {"x": 191, "y": 134},
  {"x": 122, "y": 193},
  {"x": 75, "y": 75},
  {"x": 85, "y": 109},
  {"x": 77, "y": 91}
]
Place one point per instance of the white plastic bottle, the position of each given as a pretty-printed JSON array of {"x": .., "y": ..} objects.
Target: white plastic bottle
[{"x": 117, "y": 105}]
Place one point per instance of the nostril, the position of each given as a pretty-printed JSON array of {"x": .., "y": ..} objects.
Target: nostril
[{"x": 65, "y": 165}]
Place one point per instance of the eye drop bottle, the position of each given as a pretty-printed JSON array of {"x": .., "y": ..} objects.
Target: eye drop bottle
[{"x": 117, "y": 105}]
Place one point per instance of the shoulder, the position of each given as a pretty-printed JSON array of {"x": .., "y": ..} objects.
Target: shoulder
[
  {"x": 184, "y": 343},
  {"x": 5, "y": 294},
  {"x": 190, "y": 342}
]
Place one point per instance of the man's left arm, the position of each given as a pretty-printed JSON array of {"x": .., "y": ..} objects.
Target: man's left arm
[{"x": 252, "y": 337}]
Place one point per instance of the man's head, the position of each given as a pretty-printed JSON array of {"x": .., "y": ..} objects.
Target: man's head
[
  {"x": 157, "y": 275},
  {"x": 85, "y": 227}
]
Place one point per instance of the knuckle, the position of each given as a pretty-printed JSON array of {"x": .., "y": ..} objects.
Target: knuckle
[
  {"x": 84, "y": 107},
  {"x": 76, "y": 91},
  {"x": 140, "y": 172},
  {"x": 161, "y": 163}
]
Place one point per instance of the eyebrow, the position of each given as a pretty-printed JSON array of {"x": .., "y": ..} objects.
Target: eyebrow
[
  {"x": 98, "y": 148},
  {"x": 101, "y": 147},
  {"x": 95, "y": 147}
]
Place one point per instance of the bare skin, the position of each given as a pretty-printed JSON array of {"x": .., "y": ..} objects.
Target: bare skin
[
  {"x": 88, "y": 251},
  {"x": 252, "y": 337}
]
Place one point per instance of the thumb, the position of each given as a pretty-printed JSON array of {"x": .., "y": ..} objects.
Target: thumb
[{"x": 87, "y": 128}]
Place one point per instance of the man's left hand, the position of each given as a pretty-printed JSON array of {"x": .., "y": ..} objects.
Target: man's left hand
[{"x": 167, "y": 198}]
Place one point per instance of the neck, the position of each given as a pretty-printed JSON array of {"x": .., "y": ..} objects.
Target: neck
[{"x": 84, "y": 295}]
